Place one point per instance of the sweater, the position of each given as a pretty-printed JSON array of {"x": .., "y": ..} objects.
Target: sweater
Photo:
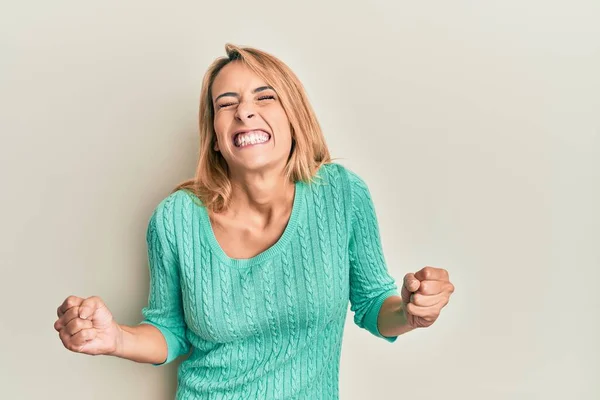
[{"x": 270, "y": 326}]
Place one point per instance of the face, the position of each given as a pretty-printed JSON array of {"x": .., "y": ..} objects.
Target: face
[{"x": 252, "y": 129}]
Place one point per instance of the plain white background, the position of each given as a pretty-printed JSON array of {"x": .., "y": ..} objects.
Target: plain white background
[{"x": 475, "y": 124}]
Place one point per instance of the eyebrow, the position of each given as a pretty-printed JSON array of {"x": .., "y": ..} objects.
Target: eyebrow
[{"x": 233, "y": 94}]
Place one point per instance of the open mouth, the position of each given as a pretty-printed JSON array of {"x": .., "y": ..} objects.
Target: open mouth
[{"x": 251, "y": 138}]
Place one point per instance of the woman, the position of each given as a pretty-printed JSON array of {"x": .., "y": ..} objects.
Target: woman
[{"x": 253, "y": 262}]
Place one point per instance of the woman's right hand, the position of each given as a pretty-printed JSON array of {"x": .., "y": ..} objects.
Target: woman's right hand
[{"x": 87, "y": 326}]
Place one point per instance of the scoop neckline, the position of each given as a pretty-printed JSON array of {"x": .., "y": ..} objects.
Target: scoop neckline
[{"x": 265, "y": 254}]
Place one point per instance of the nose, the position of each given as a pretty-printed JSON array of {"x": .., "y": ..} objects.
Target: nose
[{"x": 244, "y": 111}]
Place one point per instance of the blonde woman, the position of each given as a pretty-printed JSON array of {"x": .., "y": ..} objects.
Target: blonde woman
[{"x": 254, "y": 261}]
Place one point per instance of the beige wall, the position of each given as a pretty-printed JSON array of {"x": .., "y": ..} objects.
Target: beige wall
[{"x": 476, "y": 125}]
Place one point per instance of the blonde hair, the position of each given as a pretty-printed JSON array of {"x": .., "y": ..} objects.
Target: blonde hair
[{"x": 309, "y": 150}]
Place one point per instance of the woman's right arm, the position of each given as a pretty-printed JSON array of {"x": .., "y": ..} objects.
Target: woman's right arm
[
  {"x": 87, "y": 326},
  {"x": 165, "y": 309},
  {"x": 161, "y": 336}
]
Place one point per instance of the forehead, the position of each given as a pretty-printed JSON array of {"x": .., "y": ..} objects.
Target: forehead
[{"x": 236, "y": 77}]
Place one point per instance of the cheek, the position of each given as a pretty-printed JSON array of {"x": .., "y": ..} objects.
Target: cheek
[
  {"x": 282, "y": 124},
  {"x": 220, "y": 125}
]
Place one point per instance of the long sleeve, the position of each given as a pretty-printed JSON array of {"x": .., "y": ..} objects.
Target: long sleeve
[
  {"x": 370, "y": 282},
  {"x": 164, "y": 309}
]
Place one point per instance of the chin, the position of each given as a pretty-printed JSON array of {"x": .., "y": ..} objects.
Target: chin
[{"x": 259, "y": 164}]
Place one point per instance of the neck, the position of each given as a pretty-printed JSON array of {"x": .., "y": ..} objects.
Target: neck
[{"x": 261, "y": 193}]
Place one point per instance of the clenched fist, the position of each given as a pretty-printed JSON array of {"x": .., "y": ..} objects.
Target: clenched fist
[
  {"x": 424, "y": 294},
  {"x": 87, "y": 326}
]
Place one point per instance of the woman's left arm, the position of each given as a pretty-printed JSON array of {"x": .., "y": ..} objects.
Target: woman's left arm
[
  {"x": 377, "y": 304},
  {"x": 373, "y": 291},
  {"x": 423, "y": 296}
]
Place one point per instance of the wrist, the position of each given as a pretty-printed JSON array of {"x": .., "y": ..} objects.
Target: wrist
[
  {"x": 117, "y": 350},
  {"x": 404, "y": 322},
  {"x": 392, "y": 320}
]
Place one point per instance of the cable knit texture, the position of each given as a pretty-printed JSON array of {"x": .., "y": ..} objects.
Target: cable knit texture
[{"x": 270, "y": 326}]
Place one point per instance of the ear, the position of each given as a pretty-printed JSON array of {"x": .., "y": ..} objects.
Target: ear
[{"x": 216, "y": 146}]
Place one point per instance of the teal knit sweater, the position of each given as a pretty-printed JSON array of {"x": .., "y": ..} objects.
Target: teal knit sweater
[{"x": 271, "y": 326}]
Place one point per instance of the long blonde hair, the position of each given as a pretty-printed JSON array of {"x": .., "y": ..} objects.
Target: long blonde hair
[{"x": 309, "y": 150}]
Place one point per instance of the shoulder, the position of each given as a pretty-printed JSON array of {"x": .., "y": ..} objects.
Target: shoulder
[
  {"x": 344, "y": 188},
  {"x": 347, "y": 179},
  {"x": 166, "y": 215},
  {"x": 175, "y": 203}
]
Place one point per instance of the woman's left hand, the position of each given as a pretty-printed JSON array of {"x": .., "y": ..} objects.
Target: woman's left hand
[{"x": 424, "y": 294}]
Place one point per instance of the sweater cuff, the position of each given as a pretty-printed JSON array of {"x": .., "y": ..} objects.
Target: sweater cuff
[
  {"x": 174, "y": 348},
  {"x": 373, "y": 313}
]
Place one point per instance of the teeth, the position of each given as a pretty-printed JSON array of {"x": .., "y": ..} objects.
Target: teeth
[{"x": 253, "y": 137}]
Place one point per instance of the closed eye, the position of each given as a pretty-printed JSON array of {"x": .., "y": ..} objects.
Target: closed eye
[
  {"x": 225, "y": 105},
  {"x": 265, "y": 97}
]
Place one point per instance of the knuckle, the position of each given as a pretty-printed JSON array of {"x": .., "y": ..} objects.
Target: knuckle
[
  {"x": 75, "y": 326},
  {"x": 72, "y": 301},
  {"x": 78, "y": 340},
  {"x": 68, "y": 327},
  {"x": 70, "y": 314},
  {"x": 93, "y": 301},
  {"x": 66, "y": 330},
  {"x": 84, "y": 335},
  {"x": 64, "y": 337},
  {"x": 417, "y": 298},
  {"x": 83, "y": 324},
  {"x": 414, "y": 310}
]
